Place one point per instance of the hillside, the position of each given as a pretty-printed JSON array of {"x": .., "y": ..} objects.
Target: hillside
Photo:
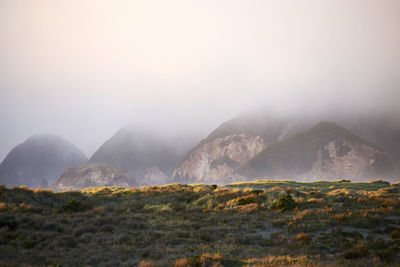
[
  {"x": 39, "y": 161},
  {"x": 263, "y": 223}
]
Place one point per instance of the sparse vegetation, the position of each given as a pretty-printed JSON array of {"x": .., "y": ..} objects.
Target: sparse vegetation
[{"x": 263, "y": 223}]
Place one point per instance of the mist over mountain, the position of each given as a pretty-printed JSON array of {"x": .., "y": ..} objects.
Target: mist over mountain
[
  {"x": 94, "y": 67},
  {"x": 39, "y": 161},
  {"x": 149, "y": 156}
]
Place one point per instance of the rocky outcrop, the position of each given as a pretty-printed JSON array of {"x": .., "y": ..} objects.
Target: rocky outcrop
[
  {"x": 39, "y": 161},
  {"x": 92, "y": 175},
  {"x": 216, "y": 161},
  {"x": 326, "y": 151},
  {"x": 345, "y": 159}
]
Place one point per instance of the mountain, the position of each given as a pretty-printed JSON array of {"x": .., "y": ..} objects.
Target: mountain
[
  {"x": 92, "y": 175},
  {"x": 39, "y": 160},
  {"x": 149, "y": 156},
  {"x": 221, "y": 157},
  {"x": 326, "y": 151},
  {"x": 216, "y": 158}
]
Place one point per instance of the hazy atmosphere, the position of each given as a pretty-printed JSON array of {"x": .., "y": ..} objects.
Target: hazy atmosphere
[
  {"x": 84, "y": 69},
  {"x": 205, "y": 133}
]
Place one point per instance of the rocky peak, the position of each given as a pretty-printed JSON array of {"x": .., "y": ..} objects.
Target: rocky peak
[{"x": 216, "y": 161}]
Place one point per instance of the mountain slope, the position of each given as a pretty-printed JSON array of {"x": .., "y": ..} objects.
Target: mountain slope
[
  {"x": 143, "y": 154},
  {"x": 326, "y": 151},
  {"x": 39, "y": 161},
  {"x": 92, "y": 175}
]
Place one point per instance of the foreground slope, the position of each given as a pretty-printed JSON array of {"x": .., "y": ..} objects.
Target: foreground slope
[
  {"x": 265, "y": 223},
  {"x": 39, "y": 161}
]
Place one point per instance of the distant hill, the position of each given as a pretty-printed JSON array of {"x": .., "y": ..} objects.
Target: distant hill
[
  {"x": 148, "y": 156},
  {"x": 92, "y": 175},
  {"x": 326, "y": 151},
  {"x": 39, "y": 161}
]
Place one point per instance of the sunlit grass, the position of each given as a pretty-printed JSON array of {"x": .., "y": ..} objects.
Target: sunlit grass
[{"x": 262, "y": 223}]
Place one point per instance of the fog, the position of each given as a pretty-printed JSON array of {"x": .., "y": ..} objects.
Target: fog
[{"x": 84, "y": 69}]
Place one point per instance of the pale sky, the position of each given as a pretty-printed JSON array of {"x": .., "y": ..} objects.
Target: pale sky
[{"x": 84, "y": 69}]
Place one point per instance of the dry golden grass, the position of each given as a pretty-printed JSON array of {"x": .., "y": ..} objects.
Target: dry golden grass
[
  {"x": 146, "y": 264},
  {"x": 3, "y": 206},
  {"x": 278, "y": 261},
  {"x": 181, "y": 263}
]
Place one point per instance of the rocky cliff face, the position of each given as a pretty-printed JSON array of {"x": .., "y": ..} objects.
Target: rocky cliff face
[
  {"x": 216, "y": 161},
  {"x": 39, "y": 161},
  {"x": 92, "y": 175},
  {"x": 345, "y": 159},
  {"x": 326, "y": 151}
]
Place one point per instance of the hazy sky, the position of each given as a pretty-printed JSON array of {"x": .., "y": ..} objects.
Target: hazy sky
[{"x": 83, "y": 69}]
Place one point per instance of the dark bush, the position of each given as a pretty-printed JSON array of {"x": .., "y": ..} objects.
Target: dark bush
[
  {"x": 284, "y": 203},
  {"x": 84, "y": 229},
  {"x": 67, "y": 241},
  {"x": 386, "y": 254},
  {"x": 8, "y": 221},
  {"x": 352, "y": 254},
  {"x": 107, "y": 228},
  {"x": 395, "y": 234},
  {"x": 246, "y": 200},
  {"x": 28, "y": 244},
  {"x": 358, "y": 251},
  {"x": 74, "y": 206}
]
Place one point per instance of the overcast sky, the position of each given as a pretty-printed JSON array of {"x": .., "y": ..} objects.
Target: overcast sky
[{"x": 84, "y": 69}]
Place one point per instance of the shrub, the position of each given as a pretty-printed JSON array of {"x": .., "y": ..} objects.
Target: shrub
[
  {"x": 247, "y": 200},
  {"x": 74, "y": 206},
  {"x": 303, "y": 238},
  {"x": 386, "y": 254},
  {"x": 352, "y": 254},
  {"x": 395, "y": 234},
  {"x": 107, "y": 228},
  {"x": 84, "y": 229},
  {"x": 284, "y": 203},
  {"x": 8, "y": 221},
  {"x": 28, "y": 244}
]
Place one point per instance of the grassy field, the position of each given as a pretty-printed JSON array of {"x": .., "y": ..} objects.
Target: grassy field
[{"x": 262, "y": 223}]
